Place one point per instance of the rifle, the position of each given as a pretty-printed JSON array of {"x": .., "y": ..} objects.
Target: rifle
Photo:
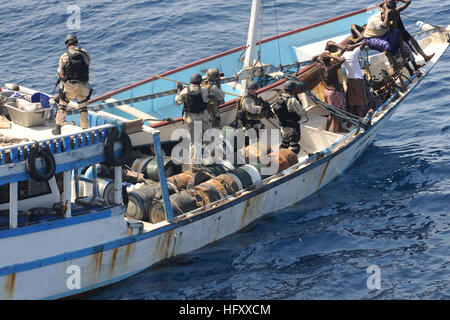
[{"x": 56, "y": 84}]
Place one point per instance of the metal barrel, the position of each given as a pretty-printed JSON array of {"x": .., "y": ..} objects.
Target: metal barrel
[
  {"x": 140, "y": 201},
  {"x": 217, "y": 186},
  {"x": 151, "y": 170},
  {"x": 181, "y": 180},
  {"x": 140, "y": 164},
  {"x": 254, "y": 174},
  {"x": 259, "y": 167},
  {"x": 106, "y": 190},
  {"x": 290, "y": 156},
  {"x": 243, "y": 176},
  {"x": 182, "y": 202},
  {"x": 253, "y": 152},
  {"x": 229, "y": 183}
]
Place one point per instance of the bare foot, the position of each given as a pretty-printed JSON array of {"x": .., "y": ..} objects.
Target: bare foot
[{"x": 428, "y": 58}]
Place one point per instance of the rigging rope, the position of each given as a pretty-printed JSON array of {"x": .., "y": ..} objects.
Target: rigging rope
[
  {"x": 276, "y": 24},
  {"x": 350, "y": 117}
]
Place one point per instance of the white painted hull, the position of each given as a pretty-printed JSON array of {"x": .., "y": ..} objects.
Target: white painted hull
[{"x": 147, "y": 248}]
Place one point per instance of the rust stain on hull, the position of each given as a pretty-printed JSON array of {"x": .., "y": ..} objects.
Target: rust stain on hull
[
  {"x": 98, "y": 258},
  {"x": 323, "y": 174},
  {"x": 128, "y": 249},
  {"x": 244, "y": 214},
  {"x": 10, "y": 285},
  {"x": 162, "y": 248},
  {"x": 252, "y": 205},
  {"x": 113, "y": 261}
]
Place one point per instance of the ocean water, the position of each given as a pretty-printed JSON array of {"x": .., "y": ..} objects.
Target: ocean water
[{"x": 389, "y": 210}]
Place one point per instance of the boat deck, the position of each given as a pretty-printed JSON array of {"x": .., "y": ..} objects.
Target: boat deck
[{"x": 36, "y": 133}]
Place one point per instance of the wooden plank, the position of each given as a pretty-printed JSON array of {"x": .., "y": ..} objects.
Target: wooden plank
[{"x": 130, "y": 110}]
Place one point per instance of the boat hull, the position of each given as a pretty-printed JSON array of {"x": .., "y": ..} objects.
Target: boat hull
[{"x": 135, "y": 250}]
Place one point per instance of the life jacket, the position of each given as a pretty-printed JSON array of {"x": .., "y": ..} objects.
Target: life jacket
[
  {"x": 285, "y": 117},
  {"x": 77, "y": 67},
  {"x": 194, "y": 101}
]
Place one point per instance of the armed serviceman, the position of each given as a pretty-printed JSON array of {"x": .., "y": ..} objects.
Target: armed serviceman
[
  {"x": 73, "y": 70},
  {"x": 252, "y": 109},
  {"x": 194, "y": 98},
  {"x": 289, "y": 111},
  {"x": 216, "y": 96}
]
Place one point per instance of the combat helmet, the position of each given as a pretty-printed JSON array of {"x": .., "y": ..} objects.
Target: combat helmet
[
  {"x": 213, "y": 74},
  {"x": 196, "y": 78},
  {"x": 71, "y": 39},
  {"x": 251, "y": 84},
  {"x": 289, "y": 86}
]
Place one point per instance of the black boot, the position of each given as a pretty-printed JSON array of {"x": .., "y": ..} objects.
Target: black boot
[{"x": 57, "y": 130}]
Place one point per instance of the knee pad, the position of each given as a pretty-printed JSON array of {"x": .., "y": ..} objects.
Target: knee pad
[
  {"x": 62, "y": 96},
  {"x": 295, "y": 148}
]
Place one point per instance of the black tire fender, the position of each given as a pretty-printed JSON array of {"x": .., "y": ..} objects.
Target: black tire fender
[
  {"x": 50, "y": 164},
  {"x": 109, "y": 148}
]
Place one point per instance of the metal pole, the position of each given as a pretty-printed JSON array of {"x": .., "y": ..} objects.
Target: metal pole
[
  {"x": 77, "y": 183},
  {"x": 162, "y": 177},
  {"x": 118, "y": 185},
  {"x": 13, "y": 199},
  {"x": 67, "y": 202},
  {"x": 94, "y": 181}
]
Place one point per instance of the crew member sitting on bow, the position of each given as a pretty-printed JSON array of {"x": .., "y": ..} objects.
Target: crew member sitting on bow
[
  {"x": 73, "y": 69},
  {"x": 194, "y": 98},
  {"x": 216, "y": 96},
  {"x": 289, "y": 111},
  {"x": 251, "y": 109}
]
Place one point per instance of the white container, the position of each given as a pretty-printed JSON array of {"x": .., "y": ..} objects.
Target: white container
[
  {"x": 28, "y": 118},
  {"x": 424, "y": 26}
]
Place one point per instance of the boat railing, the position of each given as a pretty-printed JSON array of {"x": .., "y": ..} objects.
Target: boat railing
[{"x": 70, "y": 152}]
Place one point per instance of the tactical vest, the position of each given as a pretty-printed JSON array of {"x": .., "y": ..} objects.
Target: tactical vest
[
  {"x": 285, "y": 117},
  {"x": 194, "y": 101},
  {"x": 77, "y": 67},
  {"x": 252, "y": 116}
]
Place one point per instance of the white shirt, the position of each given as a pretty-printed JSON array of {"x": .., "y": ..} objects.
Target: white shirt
[
  {"x": 352, "y": 64},
  {"x": 373, "y": 27}
]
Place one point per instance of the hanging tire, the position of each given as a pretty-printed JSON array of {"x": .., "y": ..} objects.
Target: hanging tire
[
  {"x": 50, "y": 164},
  {"x": 109, "y": 148}
]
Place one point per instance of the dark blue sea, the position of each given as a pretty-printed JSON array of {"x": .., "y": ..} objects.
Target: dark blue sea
[{"x": 389, "y": 211}]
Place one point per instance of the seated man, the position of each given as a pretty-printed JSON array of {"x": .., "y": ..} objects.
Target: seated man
[{"x": 380, "y": 38}]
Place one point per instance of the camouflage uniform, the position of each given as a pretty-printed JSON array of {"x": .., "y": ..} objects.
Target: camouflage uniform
[
  {"x": 252, "y": 106},
  {"x": 216, "y": 97},
  {"x": 189, "y": 118},
  {"x": 290, "y": 128},
  {"x": 73, "y": 89}
]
